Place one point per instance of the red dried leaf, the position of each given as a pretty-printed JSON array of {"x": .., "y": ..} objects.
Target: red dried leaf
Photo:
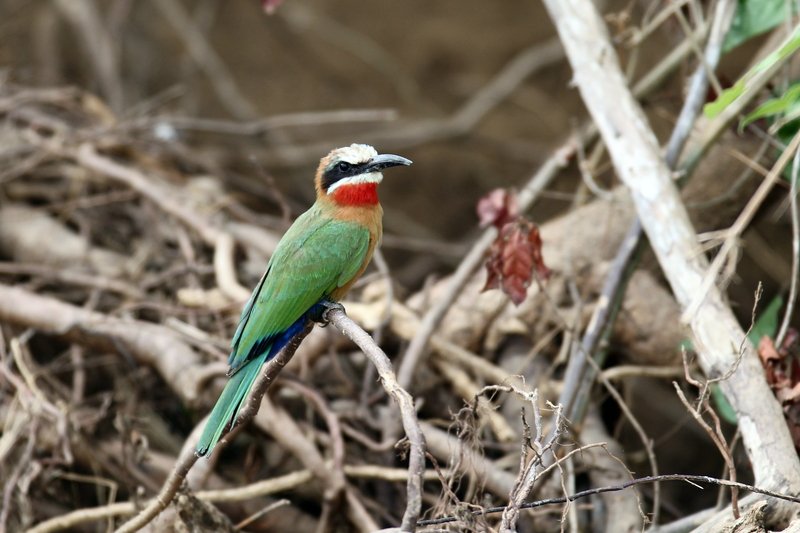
[
  {"x": 778, "y": 367},
  {"x": 497, "y": 208},
  {"x": 782, "y": 372},
  {"x": 270, "y": 6},
  {"x": 517, "y": 262},
  {"x": 512, "y": 259}
]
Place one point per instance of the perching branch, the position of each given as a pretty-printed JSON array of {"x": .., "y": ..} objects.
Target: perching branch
[{"x": 416, "y": 454}]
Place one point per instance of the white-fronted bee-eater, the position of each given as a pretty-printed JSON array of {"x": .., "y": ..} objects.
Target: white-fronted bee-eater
[{"x": 317, "y": 260}]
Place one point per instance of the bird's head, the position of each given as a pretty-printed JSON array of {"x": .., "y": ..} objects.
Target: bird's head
[{"x": 350, "y": 175}]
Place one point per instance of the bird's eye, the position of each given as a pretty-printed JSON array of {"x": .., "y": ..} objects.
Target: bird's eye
[{"x": 343, "y": 166}]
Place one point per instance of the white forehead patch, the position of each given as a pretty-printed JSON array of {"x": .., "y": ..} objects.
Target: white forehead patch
[{"x": 355, "y": 153}]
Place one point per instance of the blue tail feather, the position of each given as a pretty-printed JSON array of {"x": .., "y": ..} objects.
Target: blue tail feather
[{"x": 238, "y": 387}]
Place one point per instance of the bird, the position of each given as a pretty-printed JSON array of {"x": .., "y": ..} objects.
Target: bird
[{"x": 316, "y": 262}]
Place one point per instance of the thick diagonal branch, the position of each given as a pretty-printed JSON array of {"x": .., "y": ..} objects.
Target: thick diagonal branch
[{"x": 636, "y": 156}]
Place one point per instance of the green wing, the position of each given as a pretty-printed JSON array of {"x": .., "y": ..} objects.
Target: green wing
[{"x": 315, "y": 256}]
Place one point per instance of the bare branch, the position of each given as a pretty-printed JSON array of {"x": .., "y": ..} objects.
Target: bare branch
[{"x": 416, "y": 458}]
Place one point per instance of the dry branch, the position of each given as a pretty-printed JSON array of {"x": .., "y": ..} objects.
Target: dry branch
[
  {"x": 416, "y": 454},
  {"x": 529, "y": 474},
  {"x": 23, "y": 230},
  {"x": 148, "y": 343}
]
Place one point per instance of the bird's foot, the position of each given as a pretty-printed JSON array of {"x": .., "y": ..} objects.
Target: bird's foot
[{"x": 319, "y": 313}]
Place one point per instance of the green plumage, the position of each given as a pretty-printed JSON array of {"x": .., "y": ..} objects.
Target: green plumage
[{"x": 317, "y": 255}]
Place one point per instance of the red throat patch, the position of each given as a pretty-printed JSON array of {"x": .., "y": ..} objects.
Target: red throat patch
[{"x": 358, "y": 194}]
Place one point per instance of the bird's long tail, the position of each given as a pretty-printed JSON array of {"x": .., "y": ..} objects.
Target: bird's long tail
[
  {"x": 238, "y": 387},
  {"x": 229, "y": 403}
]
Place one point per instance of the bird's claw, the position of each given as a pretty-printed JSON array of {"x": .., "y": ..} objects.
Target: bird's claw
[{"x": 320, "y": 312}]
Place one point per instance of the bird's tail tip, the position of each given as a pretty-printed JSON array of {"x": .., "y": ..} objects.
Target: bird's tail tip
[
  {"x": 215, "y": 427},
  {"x": 224, "y": 413}
]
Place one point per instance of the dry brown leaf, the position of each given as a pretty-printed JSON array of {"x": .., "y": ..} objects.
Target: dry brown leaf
[{"x": 516, "y": 252}]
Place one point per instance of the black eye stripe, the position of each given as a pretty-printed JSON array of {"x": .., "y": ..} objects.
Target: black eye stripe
[{"x": 338, "y": 172}]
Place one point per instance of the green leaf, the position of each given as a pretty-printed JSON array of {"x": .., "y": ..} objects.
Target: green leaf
[
  {"x": 774, "y": 106},
  {"x": 723, "y": 406},
  {"x": 752, "y": 18},
  {"x": 726, "y": 98},
  {"x": 713, "y": 109},
  {"x": 767, "y": 322}
]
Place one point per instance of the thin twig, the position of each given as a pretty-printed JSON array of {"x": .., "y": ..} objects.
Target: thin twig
[
  {"x": 716, "y": 126},
  {"x": 735, "y": 231},
  {"x": 716, "y": 439},
  {"x": 787, "y": 316},
  {"x": 146, "y": 341},
  {"x": 336, "y": 481},
  {"x": 263, "y": 125},
  {"x": 159, "y": 194},
  {"x": 647, "y": 442},
  {"x": 265, "y": 487},
  {"x": 624, "y": 371},
  {"x": 101, "y": 47},
  {"x": 623, "y": 512},
  {"x": 690, "y": 479},
  {"x": 255, "y": 516},
  {"x": 698, "y": 85},
  {"x": 578, "y": 380},
  {"x": 529, "y": 475}
]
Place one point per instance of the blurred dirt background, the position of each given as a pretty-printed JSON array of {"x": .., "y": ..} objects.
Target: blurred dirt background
[{"x": 136, "y": 135}]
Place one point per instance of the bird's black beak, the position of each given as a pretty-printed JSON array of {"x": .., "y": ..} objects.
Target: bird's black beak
[{"x": 379, "y": 162}]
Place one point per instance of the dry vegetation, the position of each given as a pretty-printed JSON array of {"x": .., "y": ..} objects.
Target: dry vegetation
[{"x": 151, "y": 155}]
